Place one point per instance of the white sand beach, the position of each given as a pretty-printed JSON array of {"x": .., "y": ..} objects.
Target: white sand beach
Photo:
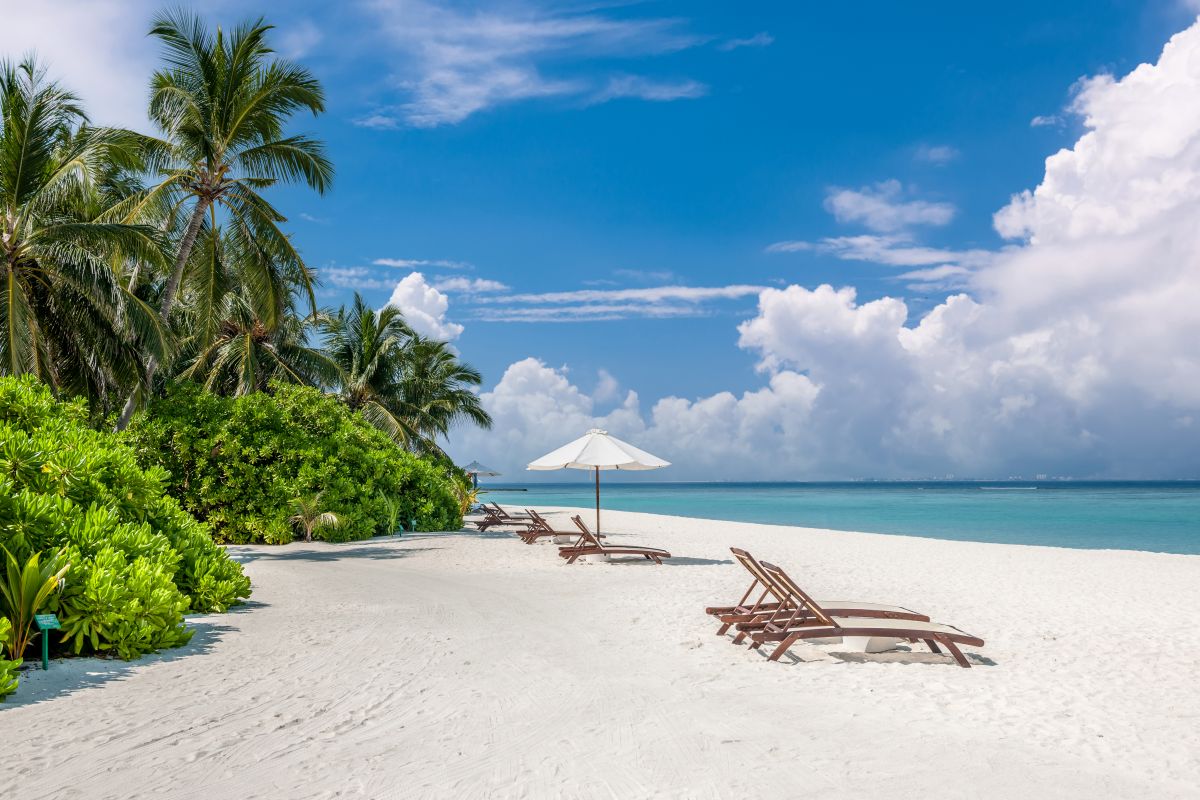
[{"x": 464, "y": 665}]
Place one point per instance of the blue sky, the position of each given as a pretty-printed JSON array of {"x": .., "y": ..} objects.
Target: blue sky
[
  {"x": 623, "y": 214},
  {"x": 547, "y": 194}
]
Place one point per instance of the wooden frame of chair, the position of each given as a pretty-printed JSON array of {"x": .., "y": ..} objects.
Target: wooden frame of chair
[{"x": 589, "y": 545}]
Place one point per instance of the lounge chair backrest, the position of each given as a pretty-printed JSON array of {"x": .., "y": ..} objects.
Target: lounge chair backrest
[
  {"x": 587, "y": 537},
  {"x": 538, "y": 520},
  {"x": 761, "y": 578},
  {"x": 798, "y": 595},
  {"x": 500, "y": 512}
]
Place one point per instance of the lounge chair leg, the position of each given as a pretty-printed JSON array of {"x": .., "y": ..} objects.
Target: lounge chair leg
[
  {"x": 783, "y": 648},
  {"x": 933, "y": 645},
  {"x": 958, "y": 654}
]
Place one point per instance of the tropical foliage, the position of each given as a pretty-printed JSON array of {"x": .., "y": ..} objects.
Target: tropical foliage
[
  {"x": 410, "y": 387},
  {"x": 8, "y": 668},
  {"x": 76, "y": 497},
  {"x": 238, "y": 463},
  {"x": 64, "y": 314},
  {"x": 24, "y": 590}
]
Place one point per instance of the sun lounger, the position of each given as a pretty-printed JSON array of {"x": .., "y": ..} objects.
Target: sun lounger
[
  {"x": 493, "y": 520},
  {"x": 765, "y": 600},
  {"x": 515, "y": 518},
  {"x": 589, "y": 545},
  {"x": 540, "y": 527},
  {"x": 809, "y": 620}
]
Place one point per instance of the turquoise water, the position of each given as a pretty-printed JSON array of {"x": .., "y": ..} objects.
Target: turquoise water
[{"x": 1156, "y": 516}]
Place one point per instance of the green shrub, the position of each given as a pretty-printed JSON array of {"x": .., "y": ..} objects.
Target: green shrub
[
  {"x": 239, "y": 463},
  {"x": 138, "y": 560},
  {"x": 8, "y": 669}
]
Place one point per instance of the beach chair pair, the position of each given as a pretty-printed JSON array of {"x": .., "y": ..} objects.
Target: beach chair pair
[
  {"x": 539, "y": 527},
  {"x": 775, "y": 609},
  {"x": 589, "y": 544},
  {"x": 495, "y": 516}
]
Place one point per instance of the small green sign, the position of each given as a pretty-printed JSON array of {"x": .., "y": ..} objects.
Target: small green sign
[{"x": 46, "y": 622}]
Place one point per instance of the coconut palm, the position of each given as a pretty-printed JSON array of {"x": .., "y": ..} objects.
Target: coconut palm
[
  {"x": 221, "y": 103},
  {"x": 438, "y": 390},
  {"x": 369, "y": 349},
  {"x": 64, "y": 314},
  {"x": 246, "y": 353}
]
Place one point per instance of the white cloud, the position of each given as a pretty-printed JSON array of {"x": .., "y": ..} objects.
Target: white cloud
[
  {"x": 1044, "y": 121},
  {"x": 607, "y": 387},
  {"x": 424, "y": 307},
  {"x": 414, "y": 263},
  {"x": 642, "y": 88},
  {"x": 453, "y": 62},
  {"x": 1075, "y": 352},
  {"x": 897, "y": 250},
  {"x": 537, "y": 408},
  {"x": 469, "y": 285},
  {"x": 353, "y": 278},
  {"x": 97, "y": 48},
  {"x": 882, "y": 207},
  {"x": 938, "y": 154},
  {"x": 591, "y": 305},
  {"x": 762, "y": 39}
]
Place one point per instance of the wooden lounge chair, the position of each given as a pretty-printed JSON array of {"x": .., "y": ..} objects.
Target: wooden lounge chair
[
  {"x": 516, "y": 519},
  {"x": 809, "y": 620},
  {"x": 540, "y": 527},
  {"x": 493, "y": 520},
  {"x": 771, "y": 600},
  {"x": 589, "y": 545}
]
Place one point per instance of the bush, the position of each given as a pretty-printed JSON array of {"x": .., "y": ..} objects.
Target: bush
[
  {"x": 138, "y": 560},
  {"x": 239, "y": 463},
  {"x": 8, "y": 669}
]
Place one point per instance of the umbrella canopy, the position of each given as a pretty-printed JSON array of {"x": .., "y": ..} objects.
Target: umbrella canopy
[
  {"x": 596, "y": 450},
  {"x": 475, "y": 469}
]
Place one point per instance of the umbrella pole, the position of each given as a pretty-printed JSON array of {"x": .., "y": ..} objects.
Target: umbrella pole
[{"x": 597, "y": 501}]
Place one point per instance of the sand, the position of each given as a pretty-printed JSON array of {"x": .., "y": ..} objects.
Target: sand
[{"x": 465, "y": 665}]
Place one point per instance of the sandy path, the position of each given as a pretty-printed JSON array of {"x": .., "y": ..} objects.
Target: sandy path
[{"x": 474, "y": 666}]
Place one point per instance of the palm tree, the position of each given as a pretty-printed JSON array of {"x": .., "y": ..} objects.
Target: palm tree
[
  {"x": 64, "y": 314},
  {"x": 246, "y": 353},
  {"x": 308, "y": 516},
  {"x": 238, "y": 337},
  {"x": 369, "y": 348},
  {"x": 221, "y": 103},
  {"x": 414, "y": 389},
  {"x": 438, "y": 390}
]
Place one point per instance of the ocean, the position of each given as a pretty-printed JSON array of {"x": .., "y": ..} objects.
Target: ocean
[{"x": 1158, "y": 516}]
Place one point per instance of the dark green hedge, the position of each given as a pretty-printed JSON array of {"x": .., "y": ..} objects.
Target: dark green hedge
[
  {"x": 237, "y": 464},
  {"x": 138, "y": 560}
]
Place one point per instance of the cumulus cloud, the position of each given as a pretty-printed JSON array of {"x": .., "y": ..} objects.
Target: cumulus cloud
[
  {"x": 452, "y": 62},
  {"x": 1073, "y": 352},
  {"x": 882, "y": 207},
  {"x": 424, "y": 307},
  {"x": 354, "y": 278},
  {"x": 537, "y": 408},
  {"x": 97, "y": 48}
]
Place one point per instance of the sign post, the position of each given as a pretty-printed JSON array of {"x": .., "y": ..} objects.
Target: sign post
[{"x": 46, "y": 623}]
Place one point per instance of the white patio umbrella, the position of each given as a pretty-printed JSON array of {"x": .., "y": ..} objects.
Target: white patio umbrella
[
  {"x": 475, "y": 469},
  {"x": 596, "y": 450}
]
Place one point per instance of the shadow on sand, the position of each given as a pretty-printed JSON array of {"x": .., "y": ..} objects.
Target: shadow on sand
[{"x": 67, "y": 676}]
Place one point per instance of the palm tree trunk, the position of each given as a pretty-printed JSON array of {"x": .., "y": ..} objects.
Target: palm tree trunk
[{"x": 168, "y": 299}]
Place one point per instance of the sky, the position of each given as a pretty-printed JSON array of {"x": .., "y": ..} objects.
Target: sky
[{"x": 764, "y": 241}]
